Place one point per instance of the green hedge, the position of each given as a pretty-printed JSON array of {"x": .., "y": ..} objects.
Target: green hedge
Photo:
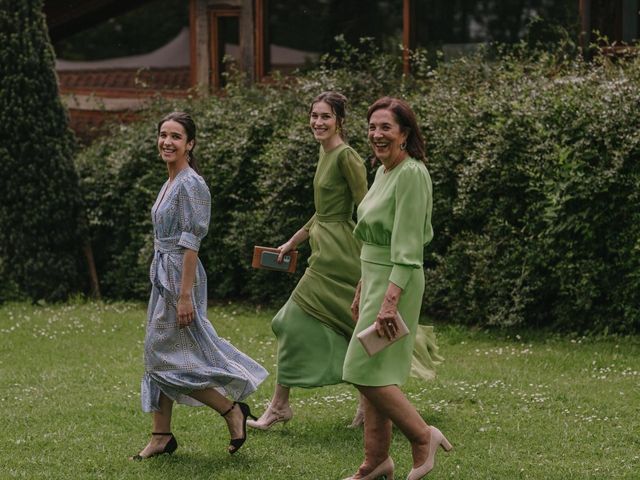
[
  {"x": 40, "y": 204},
  {"x": 534, "y": 160}
]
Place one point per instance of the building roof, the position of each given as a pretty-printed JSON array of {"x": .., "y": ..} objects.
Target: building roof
[
  {"x": 67, "y": 17},
  {"x": 174, "y": 54}
]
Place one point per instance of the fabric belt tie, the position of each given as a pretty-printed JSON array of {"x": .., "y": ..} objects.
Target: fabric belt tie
[
  {"x": 336, "y": 217},
  {"x": 380, "y": 254},
  {"x": 167, "y": 245},
  {"x": 159, "y": 274}
]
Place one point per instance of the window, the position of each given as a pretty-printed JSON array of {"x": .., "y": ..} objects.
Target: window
[
  {"x": 297, "y": 33},
  {"x": 456, "y": 27},
  {"x": 224, "y": 35},
  {"x": 140, "y": 31}
]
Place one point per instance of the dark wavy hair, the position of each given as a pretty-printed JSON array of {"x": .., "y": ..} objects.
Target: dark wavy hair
[
  {"x": 338, "y": 104},
  {"x": 408, "y": 122},
  {"x": 189, "y": 126}
]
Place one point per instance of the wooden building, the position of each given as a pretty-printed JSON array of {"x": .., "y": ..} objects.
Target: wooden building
[{"x": 261, "y": 36}]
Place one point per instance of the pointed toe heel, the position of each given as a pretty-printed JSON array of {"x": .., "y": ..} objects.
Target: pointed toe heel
[
  {"x": 437, "y": 440},
  {"x": 382, "y": 471},
  {"x": 358, "y": 418},
  {"x": 446, "y": 446},
  {"x": 270, "y": 417}
]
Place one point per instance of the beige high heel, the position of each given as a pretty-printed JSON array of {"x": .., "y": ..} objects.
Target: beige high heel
[
  {"x": 437, "y": 440},
  {"x": 358, "y": 419},
  {"x": 270, "y": 417},
  {"x": 385, "y": 470}
]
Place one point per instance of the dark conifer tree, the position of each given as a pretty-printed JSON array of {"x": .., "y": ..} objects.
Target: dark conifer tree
[{"x": 39, "y": 196}]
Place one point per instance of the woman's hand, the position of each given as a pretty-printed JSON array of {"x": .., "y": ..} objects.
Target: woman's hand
[
  {"x": 291, "y": 244},
  {"x": 185, "y": 311},
  {"x": 355, "y": 305},
  {"x": 284, "y": 249},
  {"x": 386, "y": 321}
]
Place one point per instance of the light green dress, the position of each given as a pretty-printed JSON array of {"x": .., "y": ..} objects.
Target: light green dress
[
  {"x": 394, "y": 223},
  {"x": 314, "y": 327}
]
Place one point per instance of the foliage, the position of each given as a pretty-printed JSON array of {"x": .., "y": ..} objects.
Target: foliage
[
  {"x": 39, "y": 202},
  {"x": 534, "y": 158},
  {"x": 542, "y": 227}
]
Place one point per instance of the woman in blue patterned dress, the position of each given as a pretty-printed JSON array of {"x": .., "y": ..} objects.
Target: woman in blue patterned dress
[{"x": 185, "y": 360}]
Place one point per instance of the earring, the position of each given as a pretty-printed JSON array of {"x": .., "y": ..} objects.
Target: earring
[{"x": 403, "y": 146}]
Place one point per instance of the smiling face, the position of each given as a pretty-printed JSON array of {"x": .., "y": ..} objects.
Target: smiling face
[
  {"x": 323, "y": 122},
  {"x": 173, "y": 145},
  {"x": 385, "y": 137}
]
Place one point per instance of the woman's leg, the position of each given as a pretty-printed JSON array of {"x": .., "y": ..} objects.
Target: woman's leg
[
  {"x": 377, "y": 438},
  {"x": 280, "y": 400},
  {"x": 221, "y": 404},
  {"x": 391, "y": 403},
  {"x": 161, "y": 424}
]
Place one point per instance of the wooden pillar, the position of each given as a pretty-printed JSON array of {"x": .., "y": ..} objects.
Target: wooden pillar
[
  {"x": 200, "y": 66},
  {"x": 193, "y": 62},
  {"x": 585, "y": 25},
  {"x": 406, "y": 36},
  {"x": 247, "y": 40},
  {"x": 260, "y": 39}
]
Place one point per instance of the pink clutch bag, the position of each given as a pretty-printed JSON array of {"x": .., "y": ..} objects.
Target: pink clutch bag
[{"x": 372, "y": 343}]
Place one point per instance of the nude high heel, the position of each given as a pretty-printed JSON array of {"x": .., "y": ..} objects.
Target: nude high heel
[
  {"x": 437, "y": 440},
  {"x": 358, "y": 419},
  {"x": 384, "y": 470},
  {"x": 270, "y": 417}
]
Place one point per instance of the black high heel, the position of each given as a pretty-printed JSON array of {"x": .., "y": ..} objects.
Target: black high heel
[
  {"x": 236, "y": 443},
  {"x": 169, "y": 448}
]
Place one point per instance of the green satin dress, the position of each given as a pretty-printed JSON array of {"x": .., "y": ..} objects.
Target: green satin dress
[
  {"x": 314, "y": 327},
  {"x": 394, "y": 224}
]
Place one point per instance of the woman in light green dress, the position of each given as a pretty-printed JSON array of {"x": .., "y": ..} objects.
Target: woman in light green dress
[
  {"x": 394, "y": 224},
  {"x": 314, "y": 327}
]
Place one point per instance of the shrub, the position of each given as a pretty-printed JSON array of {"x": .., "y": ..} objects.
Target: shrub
[
  {"x": 39, "y": 203},
  {"x": 534, "y": 160},
  {"x": 540, "y": 228}
]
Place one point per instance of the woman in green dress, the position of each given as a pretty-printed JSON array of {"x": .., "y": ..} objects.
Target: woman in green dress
[
  {"x": 394, "y": 224},
  {"x": 314, "y": 327}
]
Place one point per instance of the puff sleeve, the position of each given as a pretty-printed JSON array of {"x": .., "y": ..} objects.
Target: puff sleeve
[
  {"x": 352, "y": 168},
  {"x": 194, "y": 205},
  {"x": 412, "y": 228}
]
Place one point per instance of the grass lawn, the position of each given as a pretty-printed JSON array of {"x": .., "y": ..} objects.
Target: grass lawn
[{"x": 514, "y": 405}]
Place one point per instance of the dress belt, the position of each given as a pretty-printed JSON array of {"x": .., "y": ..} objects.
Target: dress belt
[
  {"x": 167, "y": 245},
  {"x": 336, "y": 217},
  {"x": 380, "y": 254}
]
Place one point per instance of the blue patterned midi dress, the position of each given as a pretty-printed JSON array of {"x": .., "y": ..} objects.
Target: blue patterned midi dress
[{"x": 180, "y": 360}]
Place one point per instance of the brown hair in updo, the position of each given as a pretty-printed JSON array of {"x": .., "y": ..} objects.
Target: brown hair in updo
[
  {"x": 189, "y": 126},
  {"x": 338, "y": 104}
]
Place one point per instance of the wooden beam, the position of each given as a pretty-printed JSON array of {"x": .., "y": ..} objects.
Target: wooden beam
[
  {"x": 67, "y": 17},
  {"x": 200, "y": 60},
  {"x": 260, "y": 47},
  {"x": 406, "y": 36},
  {"x": 193, "y": 44},
  {"x": 585, "y": 25},
  {"x": 248, "y": 40}
]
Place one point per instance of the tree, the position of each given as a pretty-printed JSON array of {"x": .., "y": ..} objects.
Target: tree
[{"x": 39, "y": 195}]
